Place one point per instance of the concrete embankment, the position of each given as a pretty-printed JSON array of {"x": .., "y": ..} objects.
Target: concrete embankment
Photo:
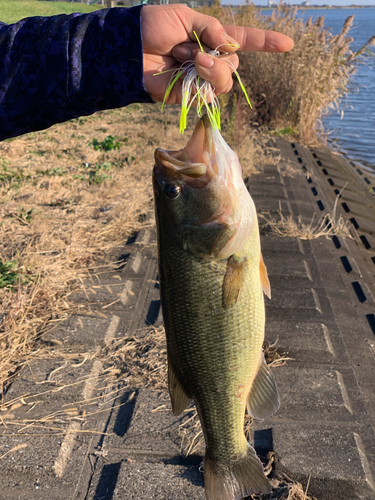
[{"x": 75, "y": 434}]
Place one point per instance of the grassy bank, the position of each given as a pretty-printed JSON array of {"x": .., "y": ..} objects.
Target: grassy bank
[
  {"x": 291, "y": 92},
  {"x": 12, "y": 11},
  {"x": 69, "y": 196}
]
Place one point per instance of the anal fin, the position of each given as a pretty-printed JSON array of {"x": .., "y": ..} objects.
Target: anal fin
[
  {"x": 263, "y": 399},
  {"x": 179, "y": 399}
]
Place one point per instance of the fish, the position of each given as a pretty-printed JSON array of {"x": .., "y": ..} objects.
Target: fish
[{"x": 212, "y": 284}]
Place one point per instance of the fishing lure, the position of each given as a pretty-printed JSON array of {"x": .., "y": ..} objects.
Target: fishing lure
[{"x": 195, "y": 88}]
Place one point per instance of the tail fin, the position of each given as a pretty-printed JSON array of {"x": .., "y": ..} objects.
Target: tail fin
[{"x": 234, "y": 481}]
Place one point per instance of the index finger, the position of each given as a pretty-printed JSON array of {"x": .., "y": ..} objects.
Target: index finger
[{"x": 259, "y": 40}]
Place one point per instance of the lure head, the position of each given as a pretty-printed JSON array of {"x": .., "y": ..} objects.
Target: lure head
[{"x": 201, "y": 201}]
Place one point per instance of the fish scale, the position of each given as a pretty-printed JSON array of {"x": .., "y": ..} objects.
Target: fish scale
[
  {"x": 212, "y": 279},
  {"x": 215, "y": 352}
]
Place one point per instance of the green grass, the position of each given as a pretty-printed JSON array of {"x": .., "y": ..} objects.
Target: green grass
[{"x": 12, "y": 11}]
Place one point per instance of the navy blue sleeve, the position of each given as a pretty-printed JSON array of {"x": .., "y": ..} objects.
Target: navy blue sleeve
[{"x": 53, "y": 69}]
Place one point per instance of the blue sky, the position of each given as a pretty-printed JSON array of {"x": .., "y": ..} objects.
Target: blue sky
[{"x": 312, "y": 2}]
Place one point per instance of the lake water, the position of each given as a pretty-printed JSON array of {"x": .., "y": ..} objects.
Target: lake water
[{"x": 354, "y": 134}]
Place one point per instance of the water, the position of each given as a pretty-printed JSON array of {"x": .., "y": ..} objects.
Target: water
[{"x": 354, "y": 134}]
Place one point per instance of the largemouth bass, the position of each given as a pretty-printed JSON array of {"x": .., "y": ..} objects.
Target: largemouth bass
[{"x": 212, "y": 279}]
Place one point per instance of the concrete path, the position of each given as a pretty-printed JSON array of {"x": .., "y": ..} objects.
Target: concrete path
[{"x": 72, "y": 434}]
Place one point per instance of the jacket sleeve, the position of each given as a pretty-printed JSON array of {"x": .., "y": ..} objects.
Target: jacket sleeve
[{"x": 53, "y": 69}]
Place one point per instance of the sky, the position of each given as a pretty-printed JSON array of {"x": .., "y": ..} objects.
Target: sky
[{"x": 312, "y": 2}]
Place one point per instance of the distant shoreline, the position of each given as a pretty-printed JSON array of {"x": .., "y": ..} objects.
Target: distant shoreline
[{"x": 319, "y": 7}]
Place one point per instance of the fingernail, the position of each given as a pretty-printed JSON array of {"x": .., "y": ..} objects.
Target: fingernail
[
  {"x": 205, "y": 60},
  {"x": 231, "y": 41},
  {"x": 181, "y": 52}
]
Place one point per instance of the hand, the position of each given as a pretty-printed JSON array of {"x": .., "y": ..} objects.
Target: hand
[{"x": 168, "y": 41}]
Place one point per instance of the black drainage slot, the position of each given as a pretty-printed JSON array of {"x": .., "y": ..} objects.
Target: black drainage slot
[
  {"x": 300, "y": 159},
  {"x": 320, "y": 205},
  {"x": 309, "y": 180},
  {"x": 365, "y": 242},
  {"x": 337, "y": 193},
  {"x": 345, "y": 262},
  {"x": 328, "y": 222},
  {"x": 345, "y": 207},
  {"x": 314, "y": 191},
  {"x": 325, "y": 171},
  {"x": 153, "y": 312},
  {"x": 304, "y": 168},
  {"x": 263, "y": 441},
  {"x": 296, "y": 152},
  {"x": 107, "y": 481},
  {"x": 354, "y": 222},
  {"x": 315, "y": 155},
  {"x": 336, "y": 242},
  {"x": 319, "y": 163},
  {"x": 371, "y": 321},
  {"x": 331, "y": 182},
  {"x": 373, "y": 260},
  {"x": 352, "y": 164},
  {"x": 359, "y": 292},
  {"x": 357, "y": 169},
  {"x": 366, "y": 180},
  {"x": 293, "y": 145}
]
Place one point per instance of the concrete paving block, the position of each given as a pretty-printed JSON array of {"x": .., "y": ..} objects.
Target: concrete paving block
[
  {"x": 273, "y": 245},
  {"x": 133, "y": 481},
  {"x": 286, "y": 295},
  {"x": 270, "y": 207},
  {"x": 312, "y": 338},
  {"x": 288, "y": 268},
  {"x": 309, "y": 392},
  {"x": 324, "y": 454},
  {"x": 147, "y": 423},
  {"x": 82, "y": 330}
]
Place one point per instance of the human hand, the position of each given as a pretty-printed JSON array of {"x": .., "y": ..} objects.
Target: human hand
[{"x": 168, "y": 41}]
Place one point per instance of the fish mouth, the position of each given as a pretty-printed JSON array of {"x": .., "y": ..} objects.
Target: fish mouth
[
  {"x": 195, "y": 159},
  {"x": 201, "y": 187}
]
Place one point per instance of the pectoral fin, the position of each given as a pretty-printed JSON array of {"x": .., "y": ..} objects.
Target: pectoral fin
[
  {"x": 233, "y": 281},
  {"x": 263, "y": 399},
  {"x": 266, "y": 286},
  {"x": 180, "y": 400}
]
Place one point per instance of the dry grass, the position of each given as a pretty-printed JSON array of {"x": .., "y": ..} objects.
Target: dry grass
[
  {"x": 284, "y": 488},
  {"x": 142, "y": 360},
  {"x": 65, "y": 209},
  {"x": 291, "y": 92},
  {"x": 327, "y": 225}
]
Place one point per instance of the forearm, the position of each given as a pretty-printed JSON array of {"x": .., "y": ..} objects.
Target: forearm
[{"x": 54, "y": 69}]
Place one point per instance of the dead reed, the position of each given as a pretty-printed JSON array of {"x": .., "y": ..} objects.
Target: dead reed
[
  {"x": 291, "y": 92},
  {"x": 326, "y": 225}
]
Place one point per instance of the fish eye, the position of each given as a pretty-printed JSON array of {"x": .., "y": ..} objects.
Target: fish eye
[{"x": 172, "y": 190}]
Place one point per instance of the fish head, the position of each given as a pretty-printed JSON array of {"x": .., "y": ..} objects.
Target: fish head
[{"x": 200, "y": 197}]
